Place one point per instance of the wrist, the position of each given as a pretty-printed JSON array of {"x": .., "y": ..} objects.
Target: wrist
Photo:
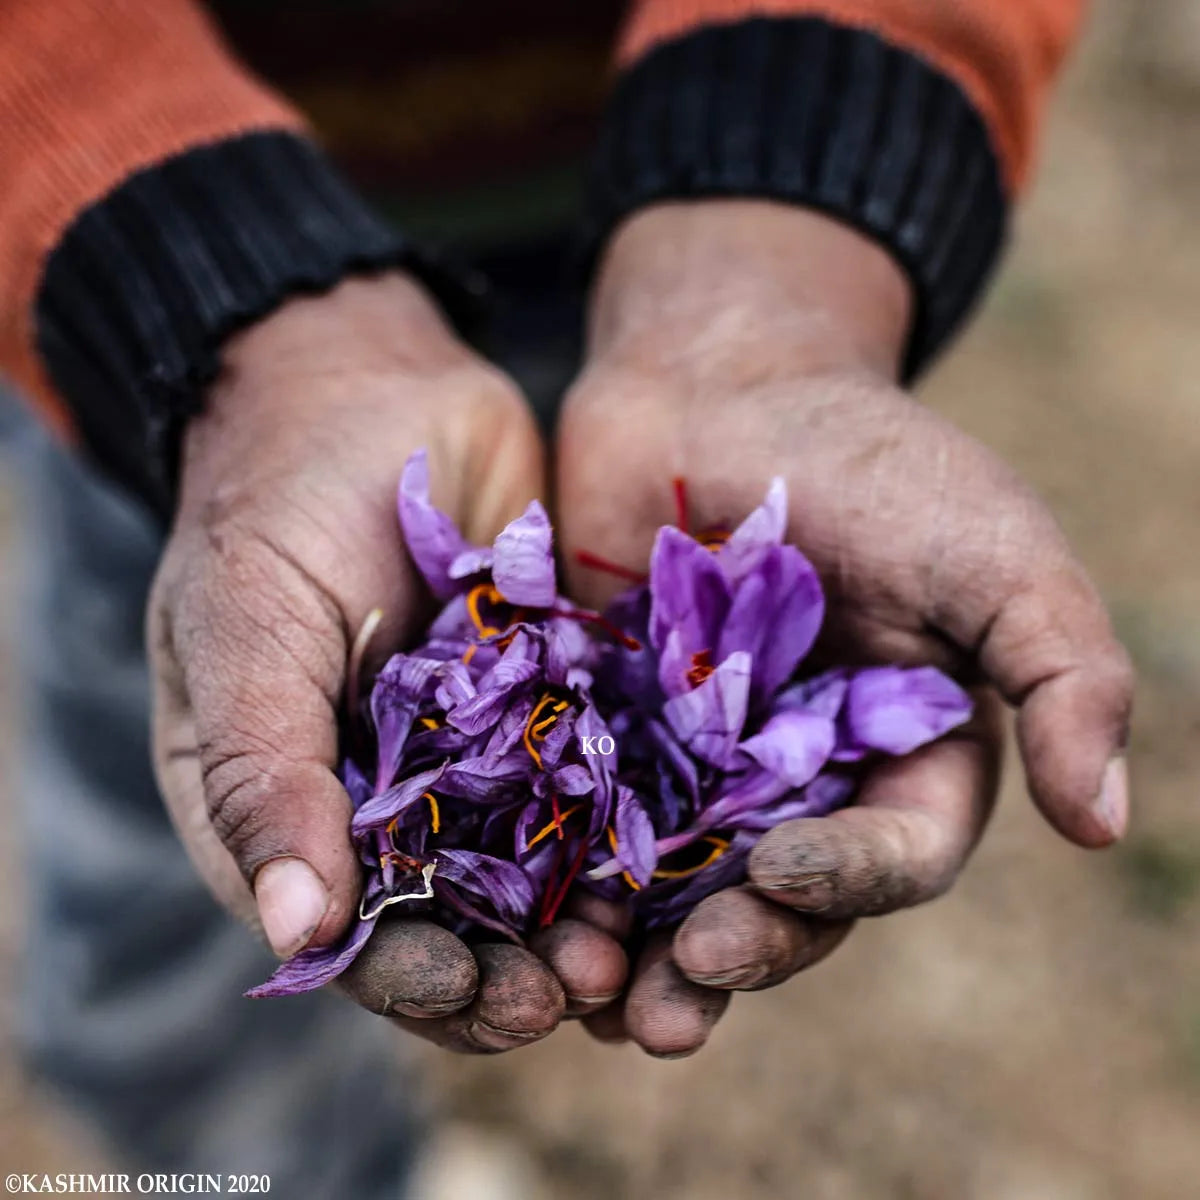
[{"x": 788, "y": 287}]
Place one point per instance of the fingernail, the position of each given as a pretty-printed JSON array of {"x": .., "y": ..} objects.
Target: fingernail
[
  {"x": 291, "y": 902},
  {"x": 742, "y": 977},
  {"x": 1112, "y": 805},
  {"x": 809, "y": 892},
  {"x": 488, "y": 1037},
  {"x": 578, "y": 1006}
]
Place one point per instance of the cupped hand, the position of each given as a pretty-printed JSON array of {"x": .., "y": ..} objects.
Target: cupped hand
[
  {"x": 284, "y": 540},
  {"x": 733, "y": 341}
]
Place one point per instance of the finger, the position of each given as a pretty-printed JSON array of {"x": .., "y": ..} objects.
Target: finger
[
  {"x": 613, "y": 917},
  {"x": 1050, "y": 650},
  {"x": 262, "y": 649},
  {"x": 412, "y": 968},
  {"x": 589, "y": 964},
  {"x": 517, "y": 1002},
  {"x": 903, "y": 842},
  {"x": 667, "y": 1014},
  {"x": 737, "y": 940},
  {"x": 607, "y": 1025}
]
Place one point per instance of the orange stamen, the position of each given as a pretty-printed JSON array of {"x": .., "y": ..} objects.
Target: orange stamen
[
  {"x": 625, "y": 875},
  {"x": 719, "y": 844},
  {"x": 429, "y": 722},
  {"x": 556, "y": 825},
  {"x": 434, "y": 811},
  {"x": 537, "y": 726},
  {"x": 482, "y": 591},
  {"x": 713, "y": 539}
]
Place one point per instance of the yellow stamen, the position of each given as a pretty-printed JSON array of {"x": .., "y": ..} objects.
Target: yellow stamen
[
  {"x": 713, "y": 539},
  {"x": 557, "y": 823},
  {"x": 482, "y": 591},
  {"x": 429, "y": 722},
  {"x": 538, "y": 725},
  {"x": 719, "y": 844},
  {"x": 434, "y": 811},
  {"x": 625, "y": 875}
]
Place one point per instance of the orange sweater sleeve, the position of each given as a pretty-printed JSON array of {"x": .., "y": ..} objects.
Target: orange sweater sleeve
[
  {"x": 1003, "y": 54},
  {"x": 90, "y": 92}
]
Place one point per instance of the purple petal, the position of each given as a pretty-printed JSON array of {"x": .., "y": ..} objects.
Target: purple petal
[
  {"x": 600, "y": 765},
  {"x": 454, "y": 686},
  {"x": 635, "y": 838},
  {"x": 763, "y": 528},
  {"x": 672, "y": 755},
  {"x": 897, "y": 709},
  {"x": 776, "y": 614},
  {"x": 823, "y": 694},
  {"x": 688, "y": 593},
  {"x": 473, "y": 917},
  {"x": 312, "y": 968},
  {"x": 433, "y": 539},
  {"x": 503, "y": 884},
  {"x": 674, "y": 664},
  {"x": 571, "y": 780},
  {"x": 474, "y": 560},
  {"x": 379, "y": 810},
  {"x": 496, "y": 691},
  {"x": 356, "y": 783},
  {"x": 793, "y": 746},
  {"x": 523, "y": 565},
  {"x": 668, "y": 903},
  {"x": 403, "y": 685},
  {"x": 821, "y": 797},
  {"x": 744, "y": 794},
  {"x": 708, "y": 720},
  {"x": 486, "y": 781}
]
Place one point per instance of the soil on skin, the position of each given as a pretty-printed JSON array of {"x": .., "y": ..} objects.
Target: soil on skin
[{"x": 1036, "y": 1034}]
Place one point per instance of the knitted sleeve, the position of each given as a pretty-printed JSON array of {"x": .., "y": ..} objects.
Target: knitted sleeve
[{"x": 914, "y": 121}]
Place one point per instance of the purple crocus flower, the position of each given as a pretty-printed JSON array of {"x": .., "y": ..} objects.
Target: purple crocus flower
[
  {"x": 721, "y": 741},
  {"x": 525, "y": 747}
]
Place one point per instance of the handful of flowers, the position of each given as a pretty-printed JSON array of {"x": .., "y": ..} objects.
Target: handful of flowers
[{"x": 527, "y": 747}]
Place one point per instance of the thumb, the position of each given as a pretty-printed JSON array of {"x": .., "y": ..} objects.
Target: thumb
[{"x": 261, "y": 651}]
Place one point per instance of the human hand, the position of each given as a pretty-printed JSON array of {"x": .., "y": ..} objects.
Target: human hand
[
  {"x": 285, "y": 538},
  {"x": 732, "y": 341}
]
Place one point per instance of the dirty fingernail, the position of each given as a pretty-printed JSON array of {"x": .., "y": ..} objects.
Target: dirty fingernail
[
  {"x": 488, "y": 1037},
  {"x": 810, "y": 892},
  {"x": 291, "y": 902},
  {"x": 1112, "y": 804}
]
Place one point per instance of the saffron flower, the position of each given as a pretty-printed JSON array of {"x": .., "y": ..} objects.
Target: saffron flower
[{"x": 527, "y": 747}]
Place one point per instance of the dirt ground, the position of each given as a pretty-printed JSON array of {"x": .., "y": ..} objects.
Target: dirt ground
[{"x": 1035, "y": 1035}]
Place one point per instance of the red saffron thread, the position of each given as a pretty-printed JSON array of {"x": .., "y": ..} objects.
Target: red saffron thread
[
  {"x": 549, "y": 913},
  {"x": 681, "y": 505},
  {"x": 594, "y": 618},
  {"x": 585, "y": 558}
]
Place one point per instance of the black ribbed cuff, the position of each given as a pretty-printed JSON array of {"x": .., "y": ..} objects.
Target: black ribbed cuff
[
  {"x": 820, "y": 115},
  {"x": 145, "y": 285}
]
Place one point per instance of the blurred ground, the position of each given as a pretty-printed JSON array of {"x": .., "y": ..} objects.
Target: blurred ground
[{"x": 1036, "y": 1035}]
